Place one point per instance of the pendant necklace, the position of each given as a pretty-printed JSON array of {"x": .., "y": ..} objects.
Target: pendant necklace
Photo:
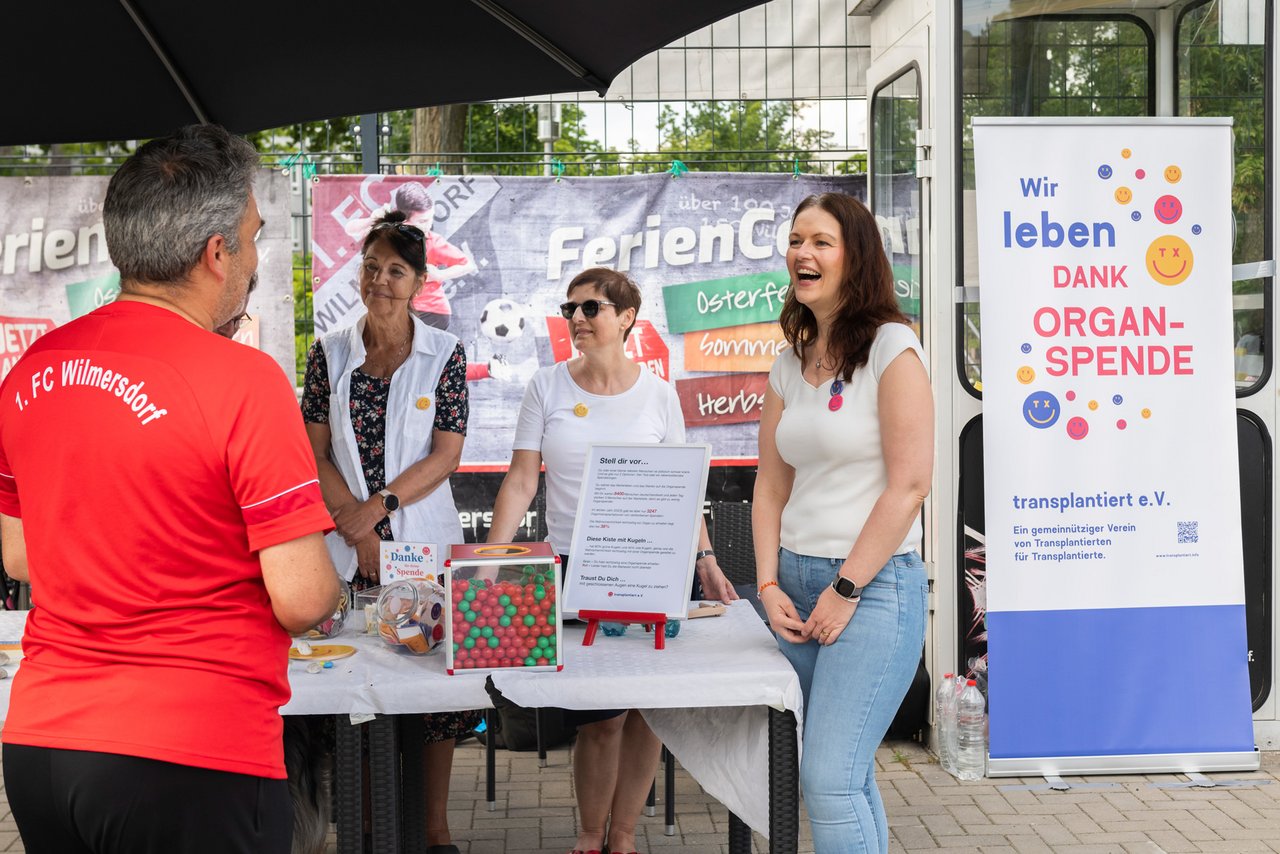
[
  {"x": 837, "y": 387},
  {"x": 382, "y": 367}
]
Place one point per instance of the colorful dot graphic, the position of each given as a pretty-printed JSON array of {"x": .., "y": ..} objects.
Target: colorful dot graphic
[
  {"x": 1026, "y": 348},
  {"x": 1117, "y": 400},
  {"x": 1140, "y": 174},
  {"x": 1104, "y": 171}
]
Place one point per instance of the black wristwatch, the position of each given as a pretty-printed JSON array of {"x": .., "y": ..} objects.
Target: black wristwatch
[
  {"x": 704, "y": 553},
  {"x": 846, "y": 589},
  {"x": 390, "y": 501}
]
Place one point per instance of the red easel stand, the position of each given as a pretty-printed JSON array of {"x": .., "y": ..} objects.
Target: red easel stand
[{"x": 658, "y": 622}]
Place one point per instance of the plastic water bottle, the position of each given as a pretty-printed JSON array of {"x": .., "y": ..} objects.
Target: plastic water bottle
[
  {"x": 944, "y": 717},
  {"x": 971, "y": 734},
  {"x": 958, "y": 686}
]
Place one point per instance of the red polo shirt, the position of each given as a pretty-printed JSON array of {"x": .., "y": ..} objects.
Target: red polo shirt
[{"x": 149, "y": 461}]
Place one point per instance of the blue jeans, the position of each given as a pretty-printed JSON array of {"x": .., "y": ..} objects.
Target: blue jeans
[{"x": 852, "y": 689}]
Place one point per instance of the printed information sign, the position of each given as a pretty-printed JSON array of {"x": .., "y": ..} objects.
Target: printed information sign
[
  {"x": 1114, "y": 561},
  {"x": 639, "y": 516}
]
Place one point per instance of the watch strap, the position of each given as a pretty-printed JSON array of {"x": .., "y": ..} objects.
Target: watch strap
[{"x": 704, "y": 553}]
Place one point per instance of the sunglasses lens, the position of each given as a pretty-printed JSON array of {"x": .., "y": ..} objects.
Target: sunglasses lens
[
  {"x": 590, "y": 308},
  {"x": 567, "y": 309}
]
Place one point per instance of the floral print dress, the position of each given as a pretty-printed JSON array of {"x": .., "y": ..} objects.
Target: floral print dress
[{"x": 369, "y": 420}]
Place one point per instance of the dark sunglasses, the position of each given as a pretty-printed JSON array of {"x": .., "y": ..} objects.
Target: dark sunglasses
[
  {"x": 590, "y": 308},
  {"x": 410, "y": 231}
]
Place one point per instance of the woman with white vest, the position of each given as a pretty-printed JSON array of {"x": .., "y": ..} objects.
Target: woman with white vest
[{"x": 379, "y": 484}]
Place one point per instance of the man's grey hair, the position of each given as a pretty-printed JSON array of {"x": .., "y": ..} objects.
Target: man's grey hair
[{"x": 171, "y": 196}]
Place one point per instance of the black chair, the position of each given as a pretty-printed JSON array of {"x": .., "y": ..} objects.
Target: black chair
[{"x": 734, "y": 547}]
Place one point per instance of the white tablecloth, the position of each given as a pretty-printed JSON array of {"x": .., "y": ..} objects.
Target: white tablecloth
[{"x": 704, "y": 695}]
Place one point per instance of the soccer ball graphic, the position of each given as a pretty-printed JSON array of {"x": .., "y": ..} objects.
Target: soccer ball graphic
[{"x": 502, "y": 320}]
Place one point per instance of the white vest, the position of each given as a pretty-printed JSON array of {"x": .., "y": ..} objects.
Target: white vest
[{"x": 411, "y": 415}]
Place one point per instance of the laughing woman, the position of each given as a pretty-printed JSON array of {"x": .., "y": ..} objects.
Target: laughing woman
[{"x": 846, "y": 458}]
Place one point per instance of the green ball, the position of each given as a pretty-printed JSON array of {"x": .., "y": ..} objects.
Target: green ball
[
  {"x": 551, "y": 614},
  {"x": 504, "y": 600},
  {"x": 531, "y": 662},
  {"x": 469, "y": 616},
  {"x": 529, "y": 619},
  {"x": 512, "y": 610},
  {"x": 539, "y": 593},
  {"x": 542, "y": 642},
  {"x": 470, "y": 595},
  {"x": 487, "y": 632},
  {"x": 464, "y": 605},
  {"x": 504, "y": 620},
  {"x": 494, "y": 642},
  {"x": 456, "y": 645},
  {"x": 469, "y": 642},
  {"x": 474, "y": 632}
]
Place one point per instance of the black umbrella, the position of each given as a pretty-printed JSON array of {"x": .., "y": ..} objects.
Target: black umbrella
[{"x": 85, "y": 70}]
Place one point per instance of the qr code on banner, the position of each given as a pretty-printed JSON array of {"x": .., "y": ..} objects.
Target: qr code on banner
[{"x": 1188, "y": 532}]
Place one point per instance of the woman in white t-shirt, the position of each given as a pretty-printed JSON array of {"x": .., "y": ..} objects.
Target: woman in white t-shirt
[
  {"x": 846, "y": 458},
  {"x": 601, "y": 396}
]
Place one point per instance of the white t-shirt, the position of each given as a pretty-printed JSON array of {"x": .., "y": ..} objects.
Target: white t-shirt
[
  {"x": 649, "y": 411},
  {"x": 837, "y": 456}
]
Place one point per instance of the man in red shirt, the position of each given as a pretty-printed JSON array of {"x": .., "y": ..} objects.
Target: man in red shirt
[{"x": 157, "y": 487}]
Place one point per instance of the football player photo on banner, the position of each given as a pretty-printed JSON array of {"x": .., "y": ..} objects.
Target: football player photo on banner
[{"x": 1114, "y": 558}]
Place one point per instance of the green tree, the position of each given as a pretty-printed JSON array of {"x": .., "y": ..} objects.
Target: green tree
[{"x": 742, "y": 136}]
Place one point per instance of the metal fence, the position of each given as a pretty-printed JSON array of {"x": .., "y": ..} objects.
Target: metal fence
[{"x": 102, "y": 159}]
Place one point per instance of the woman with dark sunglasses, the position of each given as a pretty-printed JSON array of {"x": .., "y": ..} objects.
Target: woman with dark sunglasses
[
  {"x": 599, "y": 396},
  {"x": 392, "y": 484}
]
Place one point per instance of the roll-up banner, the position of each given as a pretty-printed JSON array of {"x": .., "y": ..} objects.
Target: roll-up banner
[{"x": 1115, "y": 588}]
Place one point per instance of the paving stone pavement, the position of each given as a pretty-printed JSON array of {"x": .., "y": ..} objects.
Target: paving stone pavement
[{"x": 928, "y": 810}]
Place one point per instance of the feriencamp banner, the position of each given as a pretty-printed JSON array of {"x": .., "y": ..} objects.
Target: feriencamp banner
[
  {"x": 1115, "y": 591},
  {"x": 707, "y": 250},
  {"x": 54, "y": 265}
]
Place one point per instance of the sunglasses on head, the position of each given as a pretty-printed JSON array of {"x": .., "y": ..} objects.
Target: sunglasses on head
[
  {"x": 590, "y": 308},
  {"x": 410, "y": 231}
]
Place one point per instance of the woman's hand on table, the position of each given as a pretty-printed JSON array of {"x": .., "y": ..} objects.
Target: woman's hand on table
[
  {"x": 369, "y": 556},
  {"x": 829, "y": 618},
  {"x": 356, "y": 520},
  {"x": 714, "y": 583},
  {"x": 781, "y": 614}
]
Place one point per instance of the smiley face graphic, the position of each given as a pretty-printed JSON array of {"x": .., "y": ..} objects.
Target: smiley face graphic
[
  {"x": 1041, "y": 409},
  {"x": 1146, "y": 413},
  {"x": 1104, "y": 171},
  {"x": 1169, "y": 260},
  {"x": 1172, "y": 174},
  {"x": 1077, "y": 428},
  {"x": 1168, "y": 209},
  {"x": 1124, "y": 195},
  {"x": 1026, "y": 374}
]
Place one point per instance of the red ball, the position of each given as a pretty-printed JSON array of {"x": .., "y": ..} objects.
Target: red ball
[{"x": 543, "y": 662}]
